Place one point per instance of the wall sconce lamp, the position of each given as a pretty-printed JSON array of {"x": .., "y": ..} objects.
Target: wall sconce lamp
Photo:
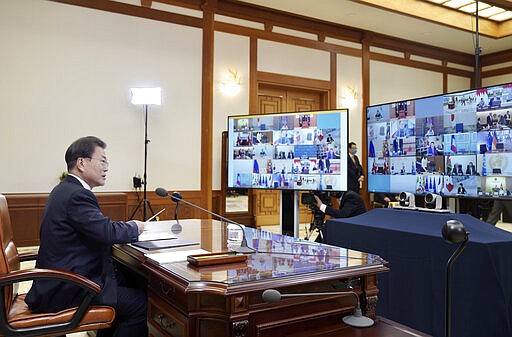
[
  {"x": 349, "y": 97},
  {"x": 230, "y": 86}
]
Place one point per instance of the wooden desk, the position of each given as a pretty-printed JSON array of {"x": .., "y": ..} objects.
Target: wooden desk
[{"x": 225, "y": 300}]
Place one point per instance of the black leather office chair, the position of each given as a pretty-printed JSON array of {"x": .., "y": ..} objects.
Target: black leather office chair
[{"x": 15, "y": 317}]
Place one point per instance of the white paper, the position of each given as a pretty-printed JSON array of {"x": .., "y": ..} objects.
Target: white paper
[
  {"x": 175, "y": 256},
  {"x": 155, "y": 235}
]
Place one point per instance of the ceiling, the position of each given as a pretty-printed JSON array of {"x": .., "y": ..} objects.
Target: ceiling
[{"x": 445, "y": 28}]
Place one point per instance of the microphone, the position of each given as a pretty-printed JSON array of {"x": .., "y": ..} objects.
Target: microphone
[
  {"x": 356, "y": 320},
  {"x": 177, "y": 197}
]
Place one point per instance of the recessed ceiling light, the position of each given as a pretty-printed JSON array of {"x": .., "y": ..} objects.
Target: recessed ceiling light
[
  {"x": 502, "y": 16},
  {"x": 491, "y": 11},
  {"x": 457, "y": 3}
]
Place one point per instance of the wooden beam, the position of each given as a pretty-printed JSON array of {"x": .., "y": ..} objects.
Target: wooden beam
[
  {"x": 137, "y": 11},
  {"x": 293, "y": 81}
]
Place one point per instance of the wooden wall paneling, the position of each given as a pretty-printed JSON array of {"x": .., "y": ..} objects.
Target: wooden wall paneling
[
  {"x": 497, "y": 72},
  {"x": 113, "y": 205},
  {"x": 496, "y": 58},
  {"x": 252, "y": 12},
  {"x": 419, "y": 65},
  {"x": 420, "y": 49},
  {"x": 445, "y": 79},
  {"x": 293, "y": 81},
  {"x": 26, "y": 212},
  {"x": 283, "y": 38},
  {"x": 207, "y": 106},
  {"x": 272, "y": 17},
  {"x": 157, "y": 203}
]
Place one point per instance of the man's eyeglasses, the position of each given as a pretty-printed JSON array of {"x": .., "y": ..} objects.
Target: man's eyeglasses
[{"x": 103, "y": 162}]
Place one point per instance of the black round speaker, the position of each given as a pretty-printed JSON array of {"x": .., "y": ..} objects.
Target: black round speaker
[{"x": 453, "y": 231}]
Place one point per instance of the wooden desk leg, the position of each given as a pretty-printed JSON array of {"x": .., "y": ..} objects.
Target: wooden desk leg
[{"x": 370, "y": 295}]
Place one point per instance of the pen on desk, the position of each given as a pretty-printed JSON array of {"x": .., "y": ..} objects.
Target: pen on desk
[{"x": 154, "y": 216}]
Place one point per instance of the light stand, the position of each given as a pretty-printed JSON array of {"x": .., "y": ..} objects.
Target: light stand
[
  {"x": 453, "y": 232},
  {"x": 145, "y": 96}
]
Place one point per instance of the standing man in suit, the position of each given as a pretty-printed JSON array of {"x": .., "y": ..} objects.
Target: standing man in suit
[
  {"x": 355, "y": 171},
  {"x": 75, "y": 236}
]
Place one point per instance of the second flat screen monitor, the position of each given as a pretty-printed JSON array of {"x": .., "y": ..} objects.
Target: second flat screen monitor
[{"x": 289, "y": 151}]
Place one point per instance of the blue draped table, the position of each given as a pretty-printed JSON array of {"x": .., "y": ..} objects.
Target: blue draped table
[{"x": 413, "y": 292}]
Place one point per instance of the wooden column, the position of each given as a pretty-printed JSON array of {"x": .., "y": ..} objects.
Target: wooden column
[
  {"x": 207, "y": 105},
  {"x": 365, "y": 68},
  {"x": 333, "y": 104}
]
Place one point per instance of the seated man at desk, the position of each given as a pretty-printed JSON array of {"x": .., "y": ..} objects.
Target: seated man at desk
[
  {"x": 77, "y": 237},
  {"x": 385, "y": 198},
  {"x": 351, "y": 204}
]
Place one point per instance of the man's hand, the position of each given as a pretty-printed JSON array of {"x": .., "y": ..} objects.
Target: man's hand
[
  {"x": 318, "y": 201},
  {"x": 140, "y": 226},
  {"x": 361, "y": 179}
]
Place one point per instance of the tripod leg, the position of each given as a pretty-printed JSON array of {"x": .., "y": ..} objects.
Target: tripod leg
[
  {"x": 136, "y": 208},
  {"x": 146, "y": 202}
]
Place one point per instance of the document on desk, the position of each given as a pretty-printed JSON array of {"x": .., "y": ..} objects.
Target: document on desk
[
  {"x": 156, "y": 235},
  {"x": 168, "y": 257}
]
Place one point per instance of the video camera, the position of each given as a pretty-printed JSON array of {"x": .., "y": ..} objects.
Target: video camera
[{"x": 309, "y": 199}]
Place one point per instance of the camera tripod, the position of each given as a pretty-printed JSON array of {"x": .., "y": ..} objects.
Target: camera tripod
[{"x": 316, "y": 225}]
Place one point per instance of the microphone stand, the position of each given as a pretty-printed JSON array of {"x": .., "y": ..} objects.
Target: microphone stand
[
  {"x": 244, "y": 248},
  {"x": 176, "y": 228},
  {"x": 448, "y": 304},
  {"x": 356, "y": 320}
]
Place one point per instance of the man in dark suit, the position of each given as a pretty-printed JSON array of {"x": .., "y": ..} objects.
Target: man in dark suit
[
  {"x": 354, "y": 169},
  {"x": 351, "y": 204},
  {"x": 75, "y": 236},
  {"x": 471, "y": 169},
  {"x": 385, "y": 198}
]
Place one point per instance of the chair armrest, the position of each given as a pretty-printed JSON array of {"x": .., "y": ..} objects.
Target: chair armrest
[
  {"x": 34, "y": 274},
  {"x": 28, "y": 256},
  {"x": 90, "y": 287}
]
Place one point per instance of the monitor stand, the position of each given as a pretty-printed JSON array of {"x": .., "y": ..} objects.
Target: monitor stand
[{"x": 290, "y": 213}]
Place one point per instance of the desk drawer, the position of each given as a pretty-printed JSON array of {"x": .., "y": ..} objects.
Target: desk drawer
[
  {"x": 164, "y": 320},
  {"x": 168, "y": 292}
]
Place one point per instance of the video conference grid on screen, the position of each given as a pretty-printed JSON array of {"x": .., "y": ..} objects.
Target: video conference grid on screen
[
  {"x": 457, "y": 144},
  {"x": 296, "y": 151}
]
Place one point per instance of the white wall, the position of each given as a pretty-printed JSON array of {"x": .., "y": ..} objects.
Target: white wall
[
  {"x": 66, "y": 73},
  {"x": 223, "y": 106},
  {"x": 291, "y": 60},
  {"x": 496, "y": 80},
  {"x": 391, "y": 82},
  {"x": 458, "y": 83},
  {"x": 349, "y": 76}
]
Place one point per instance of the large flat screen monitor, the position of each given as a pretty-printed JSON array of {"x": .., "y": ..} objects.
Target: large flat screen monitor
[
  {"x": 456, "y": 144},
  {"x": 289, "y": 151}
]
